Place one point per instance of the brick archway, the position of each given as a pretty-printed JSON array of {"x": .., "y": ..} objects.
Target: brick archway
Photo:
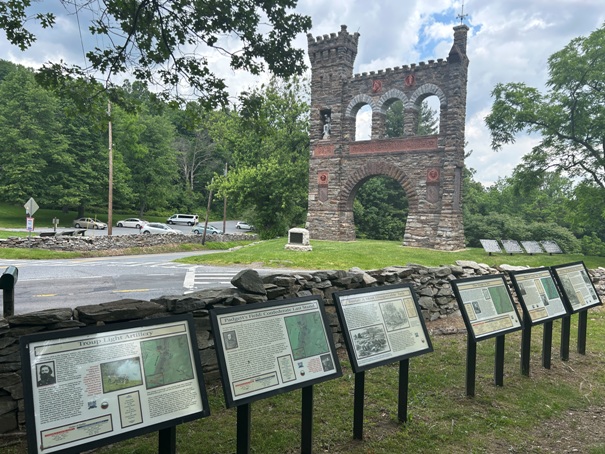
[{"x": 429, "y": 168}]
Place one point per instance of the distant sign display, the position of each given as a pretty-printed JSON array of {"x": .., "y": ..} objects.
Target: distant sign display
[
  {"x": 486, "y": 306},
  {"x": 512, "y": 247},
  {"x": 532, "y": 247},
  {"x": 491, "y": 246},
  {"x": 576, "y": 285},
  {"x": 93, "y": 386},
  {"x": 273, "y": 347},
  {"x": 538, "y": 295},
  {"x": 382, "y": 325},
  {"x": 551, "y": 247}
]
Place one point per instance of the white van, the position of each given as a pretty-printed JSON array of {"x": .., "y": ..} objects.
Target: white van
[{"x": 189, "y": 219}]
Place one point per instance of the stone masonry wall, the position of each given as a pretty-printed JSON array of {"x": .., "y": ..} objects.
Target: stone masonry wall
[
  {"x": 98, "y": 243},
  {"x": 429, "y": 169},
  {"x": 431, "y": 284}
]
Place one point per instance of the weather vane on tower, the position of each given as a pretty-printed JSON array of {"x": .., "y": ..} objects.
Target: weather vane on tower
[{"x": 462, "y": 16}]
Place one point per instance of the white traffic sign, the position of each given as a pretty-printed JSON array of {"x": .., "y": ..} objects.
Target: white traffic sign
[{"x": 31, "y": 206}]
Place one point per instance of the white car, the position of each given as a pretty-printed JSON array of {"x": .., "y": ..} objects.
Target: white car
[
  {"x": 199, "y": 230},
  {"x": 241, "y": 225},
  {"x": 158, "y": 227},
  {"x": 135, "y": 223}
]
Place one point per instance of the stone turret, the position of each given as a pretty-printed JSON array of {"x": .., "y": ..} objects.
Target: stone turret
[{"x": 332, "y": 58}]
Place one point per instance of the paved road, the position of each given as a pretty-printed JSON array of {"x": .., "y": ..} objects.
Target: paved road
[{"x": 46, "y": 284}]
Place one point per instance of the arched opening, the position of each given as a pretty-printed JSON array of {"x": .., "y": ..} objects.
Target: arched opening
[
  {"x": 429, "y": 116},
  {"x": 380, "y": 209},
  {"x": 363, "y": 123}
]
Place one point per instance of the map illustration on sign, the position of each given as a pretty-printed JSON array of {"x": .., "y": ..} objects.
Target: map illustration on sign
[
  {"x": 538, "y": 295},
  {"x": 577, "y": 286},
  {"x": 486, "y": 306},
  {"x": 307, "y": 335},
  {"x": 166, "y": 361},
  {"x": 271, "y": 347}
]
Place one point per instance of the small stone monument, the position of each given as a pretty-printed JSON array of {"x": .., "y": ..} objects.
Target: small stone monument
[{"x": 298, "y": 240}]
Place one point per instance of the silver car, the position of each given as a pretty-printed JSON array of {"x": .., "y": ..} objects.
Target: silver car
[
  {"x": 131, "y": 222},
  {"x": 89, "y": 223},
  {"x": 158, "y": 227}
]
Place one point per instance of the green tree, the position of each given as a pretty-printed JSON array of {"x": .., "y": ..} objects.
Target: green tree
[
  {"x": 380, "y": 210},
  {"x": 151, "y": 40},
  {"x": 570, "y": 116},
  {"x": 269, "y": 141},
  {"x": 428, "y": 123},
  {"x": 145, "y": 143},
  {"x": 32, "y": 146}
]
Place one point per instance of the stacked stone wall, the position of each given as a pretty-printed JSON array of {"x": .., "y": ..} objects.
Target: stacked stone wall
[
  {"x": 431, "y": 284},
  {"x": 99, "y": 243}
]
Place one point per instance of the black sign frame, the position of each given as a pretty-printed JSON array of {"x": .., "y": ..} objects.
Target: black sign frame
[
  {"x": 524, "y": 303},
  {"x": 221, "y": 347},
  {"x": 564, "y": 285},
  {"x": 30, "y": 419},
  {"x": 349, "y": 342},
  {"x": 468, "y": 322}
]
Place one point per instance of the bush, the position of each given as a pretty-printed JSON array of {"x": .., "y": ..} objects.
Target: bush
[{"x": 592, "y": 245}]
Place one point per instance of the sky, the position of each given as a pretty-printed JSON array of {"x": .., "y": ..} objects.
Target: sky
[{"x": 508, "y": 41}]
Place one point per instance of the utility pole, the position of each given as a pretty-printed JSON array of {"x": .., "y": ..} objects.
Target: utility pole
[
  {"x": 110, "y": 199},
  {"x": 225, "y": 206},
  {"x": 207, "y": 214}
]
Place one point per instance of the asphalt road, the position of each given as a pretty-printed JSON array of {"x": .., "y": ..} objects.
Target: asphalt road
[{"x": 46, "y": 284}]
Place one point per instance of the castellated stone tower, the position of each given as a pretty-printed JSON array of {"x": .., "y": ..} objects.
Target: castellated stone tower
[{"x": 429, "y": 168}]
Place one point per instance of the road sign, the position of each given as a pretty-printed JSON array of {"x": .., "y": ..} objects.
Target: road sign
[
  {"x": 31, "y": 206},
  {"x": 30, "y": 224}
]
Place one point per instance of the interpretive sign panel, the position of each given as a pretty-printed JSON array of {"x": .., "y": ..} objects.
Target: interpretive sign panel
[
  {"x": 512, "y": 246},
  {"x": 491, "y": 246},
  {"x": 381, "y": 325},
  {"x": 92, "y": 386},
  {"x": 532, "y": 247},
  {"x": 538, "y": 294},
  {"x": 577, "y": 288},
  {"x": 487, "y": 306},
  {"x": 551, "y": 247},
  {"x": 273, "y": 347}
]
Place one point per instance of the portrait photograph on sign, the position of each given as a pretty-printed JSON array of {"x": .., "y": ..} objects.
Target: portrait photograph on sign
[
  {"x": 273, "y": 347},
  {"x": 87, "y": 387},
  {"x": 381, "y": 325},
  {"x": 576, "y": 285},
  {"x": 486, "y": 306},
  {"x": 538, "y": 295}
]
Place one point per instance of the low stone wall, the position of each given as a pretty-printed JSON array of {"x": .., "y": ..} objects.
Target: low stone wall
[
  {"x": 431, "y": 284},
  {"x": 99, "y": 243}
]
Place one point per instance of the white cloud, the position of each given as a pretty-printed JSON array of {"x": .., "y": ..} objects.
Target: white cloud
[{"x": 509, "y": 41}]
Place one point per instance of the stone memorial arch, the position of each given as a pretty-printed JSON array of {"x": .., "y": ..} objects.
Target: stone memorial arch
[{"x": 429, "y": 168}]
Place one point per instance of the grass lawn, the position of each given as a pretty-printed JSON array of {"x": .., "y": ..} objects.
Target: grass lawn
[{"x": 555, "y": 410}]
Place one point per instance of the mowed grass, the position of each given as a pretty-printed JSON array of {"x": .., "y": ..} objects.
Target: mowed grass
[
  {"x": 441, "y": 417},
  {"x": 372, "y": 254}
]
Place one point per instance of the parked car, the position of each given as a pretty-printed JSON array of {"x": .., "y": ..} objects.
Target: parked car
[
  {"x": 89, "y": 223},
  {"x": 241, "y": 225},
  {"x": 158, "y": 227},
  {"x": 199, "y": 229},
  {"x": 131, "y": 222},
  {"x": 189, "y": 219}
]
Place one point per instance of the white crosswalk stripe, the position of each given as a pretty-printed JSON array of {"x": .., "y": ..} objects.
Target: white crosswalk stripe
[{"x": 196, "y": 279}]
